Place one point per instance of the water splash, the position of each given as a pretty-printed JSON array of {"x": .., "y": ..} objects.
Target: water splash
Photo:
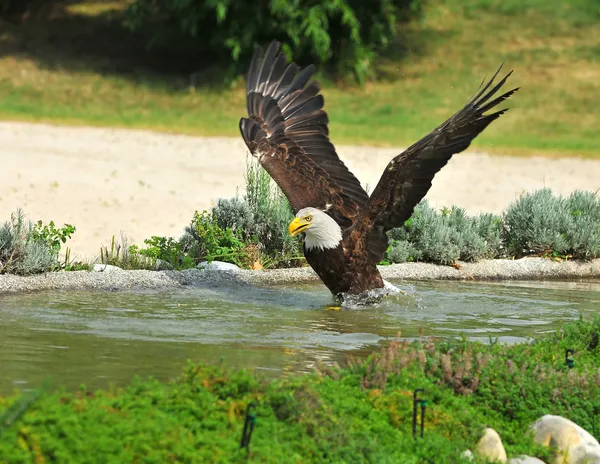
[{"x": 371, "y": 297}]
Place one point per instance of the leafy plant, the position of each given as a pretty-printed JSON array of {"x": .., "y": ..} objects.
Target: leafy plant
[
  {"x": 53, "y": 237},
  {"x": 206, "y": 240},
  {"x": 344, "y": 35},
  {"x": 21, "y": 252},
  {"x": 166, "y": 252},
  {"x": 261, "y": 217}
]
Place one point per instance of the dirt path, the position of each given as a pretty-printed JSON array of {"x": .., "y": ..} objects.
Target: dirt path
[{"x": 105, "y": 181}]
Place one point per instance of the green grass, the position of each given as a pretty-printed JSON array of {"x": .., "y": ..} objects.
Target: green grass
[
  {"x": 358, "y": 413},
  {"x": 438, "y": 62}
]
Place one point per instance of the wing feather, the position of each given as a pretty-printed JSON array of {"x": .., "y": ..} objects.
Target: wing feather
[
  {"x": 286, "y": 129},
  {"x": 408, "y": 176}
]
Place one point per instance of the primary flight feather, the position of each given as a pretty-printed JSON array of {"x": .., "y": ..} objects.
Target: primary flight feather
[{"x": 344, "y": 229}]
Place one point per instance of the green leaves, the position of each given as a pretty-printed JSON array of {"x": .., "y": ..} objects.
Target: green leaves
[{"x": 341, "y": 35}]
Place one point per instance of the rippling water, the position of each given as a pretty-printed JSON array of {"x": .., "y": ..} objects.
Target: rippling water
[{"x": 99, "y": 338}]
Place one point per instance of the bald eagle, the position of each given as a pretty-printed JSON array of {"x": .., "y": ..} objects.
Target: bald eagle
[{"x": 344, "y": 228}]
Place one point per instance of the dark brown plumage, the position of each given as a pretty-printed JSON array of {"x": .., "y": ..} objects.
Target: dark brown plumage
[{"x": 286, "y": 129}]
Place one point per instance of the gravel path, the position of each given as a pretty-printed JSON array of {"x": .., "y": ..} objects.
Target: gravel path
[{"x": 523, "y": 269}]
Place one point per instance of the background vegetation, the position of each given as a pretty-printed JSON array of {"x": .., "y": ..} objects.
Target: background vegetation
[
  {"x": 250, "y": 230},
  {"x": 101, "y": 63},
  {"x": 358, "y": 413}
]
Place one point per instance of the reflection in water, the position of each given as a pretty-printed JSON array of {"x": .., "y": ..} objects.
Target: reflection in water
[{"x": 98, "y": 338}]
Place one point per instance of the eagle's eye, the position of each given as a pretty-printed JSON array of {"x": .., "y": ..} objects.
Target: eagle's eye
[{"x": 308, "y": 218}]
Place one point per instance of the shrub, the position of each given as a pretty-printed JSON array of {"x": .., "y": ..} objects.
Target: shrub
[
  {"x": 261, "y": 217},
  {"x": 206, "y": 240},
  {"x": 22, "y": 251},
  {"x": 345, "y": 35},
  {"x": 541, "y": 223},
  {"x": 584, "y": 234},
  {"x": 166, "y": 253},
  {"x": 446, "y": 236}
]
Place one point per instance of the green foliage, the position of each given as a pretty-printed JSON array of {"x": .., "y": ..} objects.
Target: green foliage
[
  {"x": 206, "y": 240},
  {"x": 445, "y": 237},
  {"x": 541, "y": 223},
  {"x": 53, "y": 237},
  {"x": 166, "y": 252},
  {"x": 357, "y": 413},
  {"x": 261, "y": 217},
  {"x": 22, "y": 251},
  {"x": 345, "y": 35}
]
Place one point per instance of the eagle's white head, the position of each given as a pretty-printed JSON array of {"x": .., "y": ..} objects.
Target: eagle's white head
[{"x": 320, "y": 229}]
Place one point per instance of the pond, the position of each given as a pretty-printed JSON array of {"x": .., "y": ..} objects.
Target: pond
[{"x": 103, "y": 338}]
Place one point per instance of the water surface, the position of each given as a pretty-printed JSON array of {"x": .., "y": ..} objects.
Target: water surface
[{"x": 103, "y": 338}]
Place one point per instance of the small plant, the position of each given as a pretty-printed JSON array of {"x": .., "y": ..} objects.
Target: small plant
[
  {"x": 54, "y": 237},
  {"x": 261, "y": 218},
  {"x": 167, "y": 250},
  {"x": 206, "y": 240},
  {"x": 124, "y": 256},
  {"x": 21, "y": 251}
]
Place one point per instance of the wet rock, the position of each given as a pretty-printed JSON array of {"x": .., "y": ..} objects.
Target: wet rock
[
  {"x": 575, "y": 445},
  {"x": 218, "y": 266},
  {"x": 490, "y": 446},
  {"x": 525, "y": 460},
  {"x": 105, "y": 268}
]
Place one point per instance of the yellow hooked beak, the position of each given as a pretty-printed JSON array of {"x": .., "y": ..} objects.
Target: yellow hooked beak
[{"x": 298, "y": 225}]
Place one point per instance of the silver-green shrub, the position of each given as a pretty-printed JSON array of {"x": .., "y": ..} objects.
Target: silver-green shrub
[
  {"x": 584, "y": 233},
  {"x": 20, "y": 252},
  {"x": 541, "y": 223},
  {"x": 489, "y": 227},
  {"x": 402, "y": 251},
  {"x": 446, "y": 236}
]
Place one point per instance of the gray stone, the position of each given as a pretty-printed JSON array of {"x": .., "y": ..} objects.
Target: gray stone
[
  {"x": 490, "y": 446},
  {"x": 574, "y": 444}
]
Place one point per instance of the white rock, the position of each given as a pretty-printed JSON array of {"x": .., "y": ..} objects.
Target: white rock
[
  {"x": 105, "y": 268},
  {"x": 525, "y": 460},
  {"x": 218, "y": 266},
  {"x": 575, "y": 445},
  {"x": 467, "y": 454},
  {"x": 490, "y": 446}
]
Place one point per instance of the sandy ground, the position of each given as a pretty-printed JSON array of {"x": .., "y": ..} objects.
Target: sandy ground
[{"x": 108, "y": 181}]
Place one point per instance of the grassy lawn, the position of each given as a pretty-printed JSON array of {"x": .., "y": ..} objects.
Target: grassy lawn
[{"x": 81, "y": 67}]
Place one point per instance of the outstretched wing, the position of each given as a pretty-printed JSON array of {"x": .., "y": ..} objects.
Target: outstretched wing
[
  {"x": 408, "y": 177},
  {"x": 287, "y": 131}
]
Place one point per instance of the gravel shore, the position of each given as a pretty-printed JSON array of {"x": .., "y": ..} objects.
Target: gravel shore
[{"x": 114, "y": 280}]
